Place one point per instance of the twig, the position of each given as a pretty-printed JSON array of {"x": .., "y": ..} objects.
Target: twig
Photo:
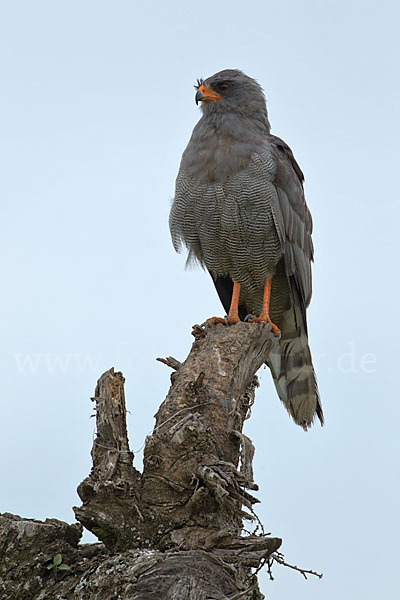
[
  {"x": 170, "y": 361},
  {"x": 269, "y": 567},
  {"x": 258, "y": 521},
  {"x": 278, "y": 557}
]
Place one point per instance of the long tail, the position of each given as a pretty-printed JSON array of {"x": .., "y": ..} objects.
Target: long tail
[{"x": 293, "y": 372}]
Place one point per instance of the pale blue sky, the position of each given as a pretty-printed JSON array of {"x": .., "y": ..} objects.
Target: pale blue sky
[{"x": 96, "y": 107}]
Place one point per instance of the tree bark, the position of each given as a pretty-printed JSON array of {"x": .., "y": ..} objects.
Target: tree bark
[{"x": 174, "y": 530}]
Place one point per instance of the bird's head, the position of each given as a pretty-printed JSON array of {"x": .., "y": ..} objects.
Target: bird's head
[{"x": 231, "y": 90}]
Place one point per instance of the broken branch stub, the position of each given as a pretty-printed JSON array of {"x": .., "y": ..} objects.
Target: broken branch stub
[{"x": 112, "y": 488}]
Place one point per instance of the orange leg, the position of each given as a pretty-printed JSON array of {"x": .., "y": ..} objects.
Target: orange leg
[
  {"x": 233, "y": 316},
  {"x": 264, "y": 317}
]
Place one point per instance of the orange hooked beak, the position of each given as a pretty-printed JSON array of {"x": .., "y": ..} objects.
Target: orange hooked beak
[{"x": 206, "y": 94}]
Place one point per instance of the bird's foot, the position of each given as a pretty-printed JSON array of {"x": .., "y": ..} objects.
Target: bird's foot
[
  {"x": 232, "y": 319},
  {"x": 248, "y": 317},
  {"x": 213, "y": 321},
  {"x": 228, "y": 320},
  {"x": 263, "y": 320}
]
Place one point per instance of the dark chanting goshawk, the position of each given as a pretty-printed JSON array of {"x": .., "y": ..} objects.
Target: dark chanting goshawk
[{"x": 239, "y": 209}]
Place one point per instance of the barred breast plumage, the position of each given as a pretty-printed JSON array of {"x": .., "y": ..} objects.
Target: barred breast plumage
[
  {"x": 239, "y": 209},
  {"x": 229, "y": 227}
]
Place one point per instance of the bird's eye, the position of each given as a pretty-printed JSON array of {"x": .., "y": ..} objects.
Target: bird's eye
[{"x": 223, "y": 86}]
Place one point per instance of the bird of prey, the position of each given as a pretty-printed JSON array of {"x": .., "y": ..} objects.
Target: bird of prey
[{"x": 239, "y": 209}]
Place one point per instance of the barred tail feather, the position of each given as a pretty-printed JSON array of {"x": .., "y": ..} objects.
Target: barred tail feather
[{"x": 294, "y": 376}]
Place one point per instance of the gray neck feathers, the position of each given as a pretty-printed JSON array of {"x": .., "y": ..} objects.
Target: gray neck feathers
[{"x": 222, "y": 144}]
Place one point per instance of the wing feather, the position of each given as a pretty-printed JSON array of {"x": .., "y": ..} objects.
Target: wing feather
[{"x": 293, "y": 218}]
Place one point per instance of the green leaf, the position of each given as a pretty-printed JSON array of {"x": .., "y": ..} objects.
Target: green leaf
[
  {"x": 51, "y": 566},
  {"x": 64, "y": 567},
  {"x": 57, "y": 560}
]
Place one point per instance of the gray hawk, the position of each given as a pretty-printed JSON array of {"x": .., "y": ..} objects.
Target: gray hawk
[{"x": 239, "y": 209}]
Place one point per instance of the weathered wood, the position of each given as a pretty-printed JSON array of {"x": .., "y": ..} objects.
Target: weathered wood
[
  {"x": 190, "y": 478},
  {"x": 173, "y": 531},
  {"x": 28, "y": 547},
  {"x": 111, "y": 491},
  {"x": 190, "y": 471}
]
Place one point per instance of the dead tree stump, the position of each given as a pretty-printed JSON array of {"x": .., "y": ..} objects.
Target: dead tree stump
[
  {"x": 174, "y": 530},
  {"x": 192, "y": 494}
]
